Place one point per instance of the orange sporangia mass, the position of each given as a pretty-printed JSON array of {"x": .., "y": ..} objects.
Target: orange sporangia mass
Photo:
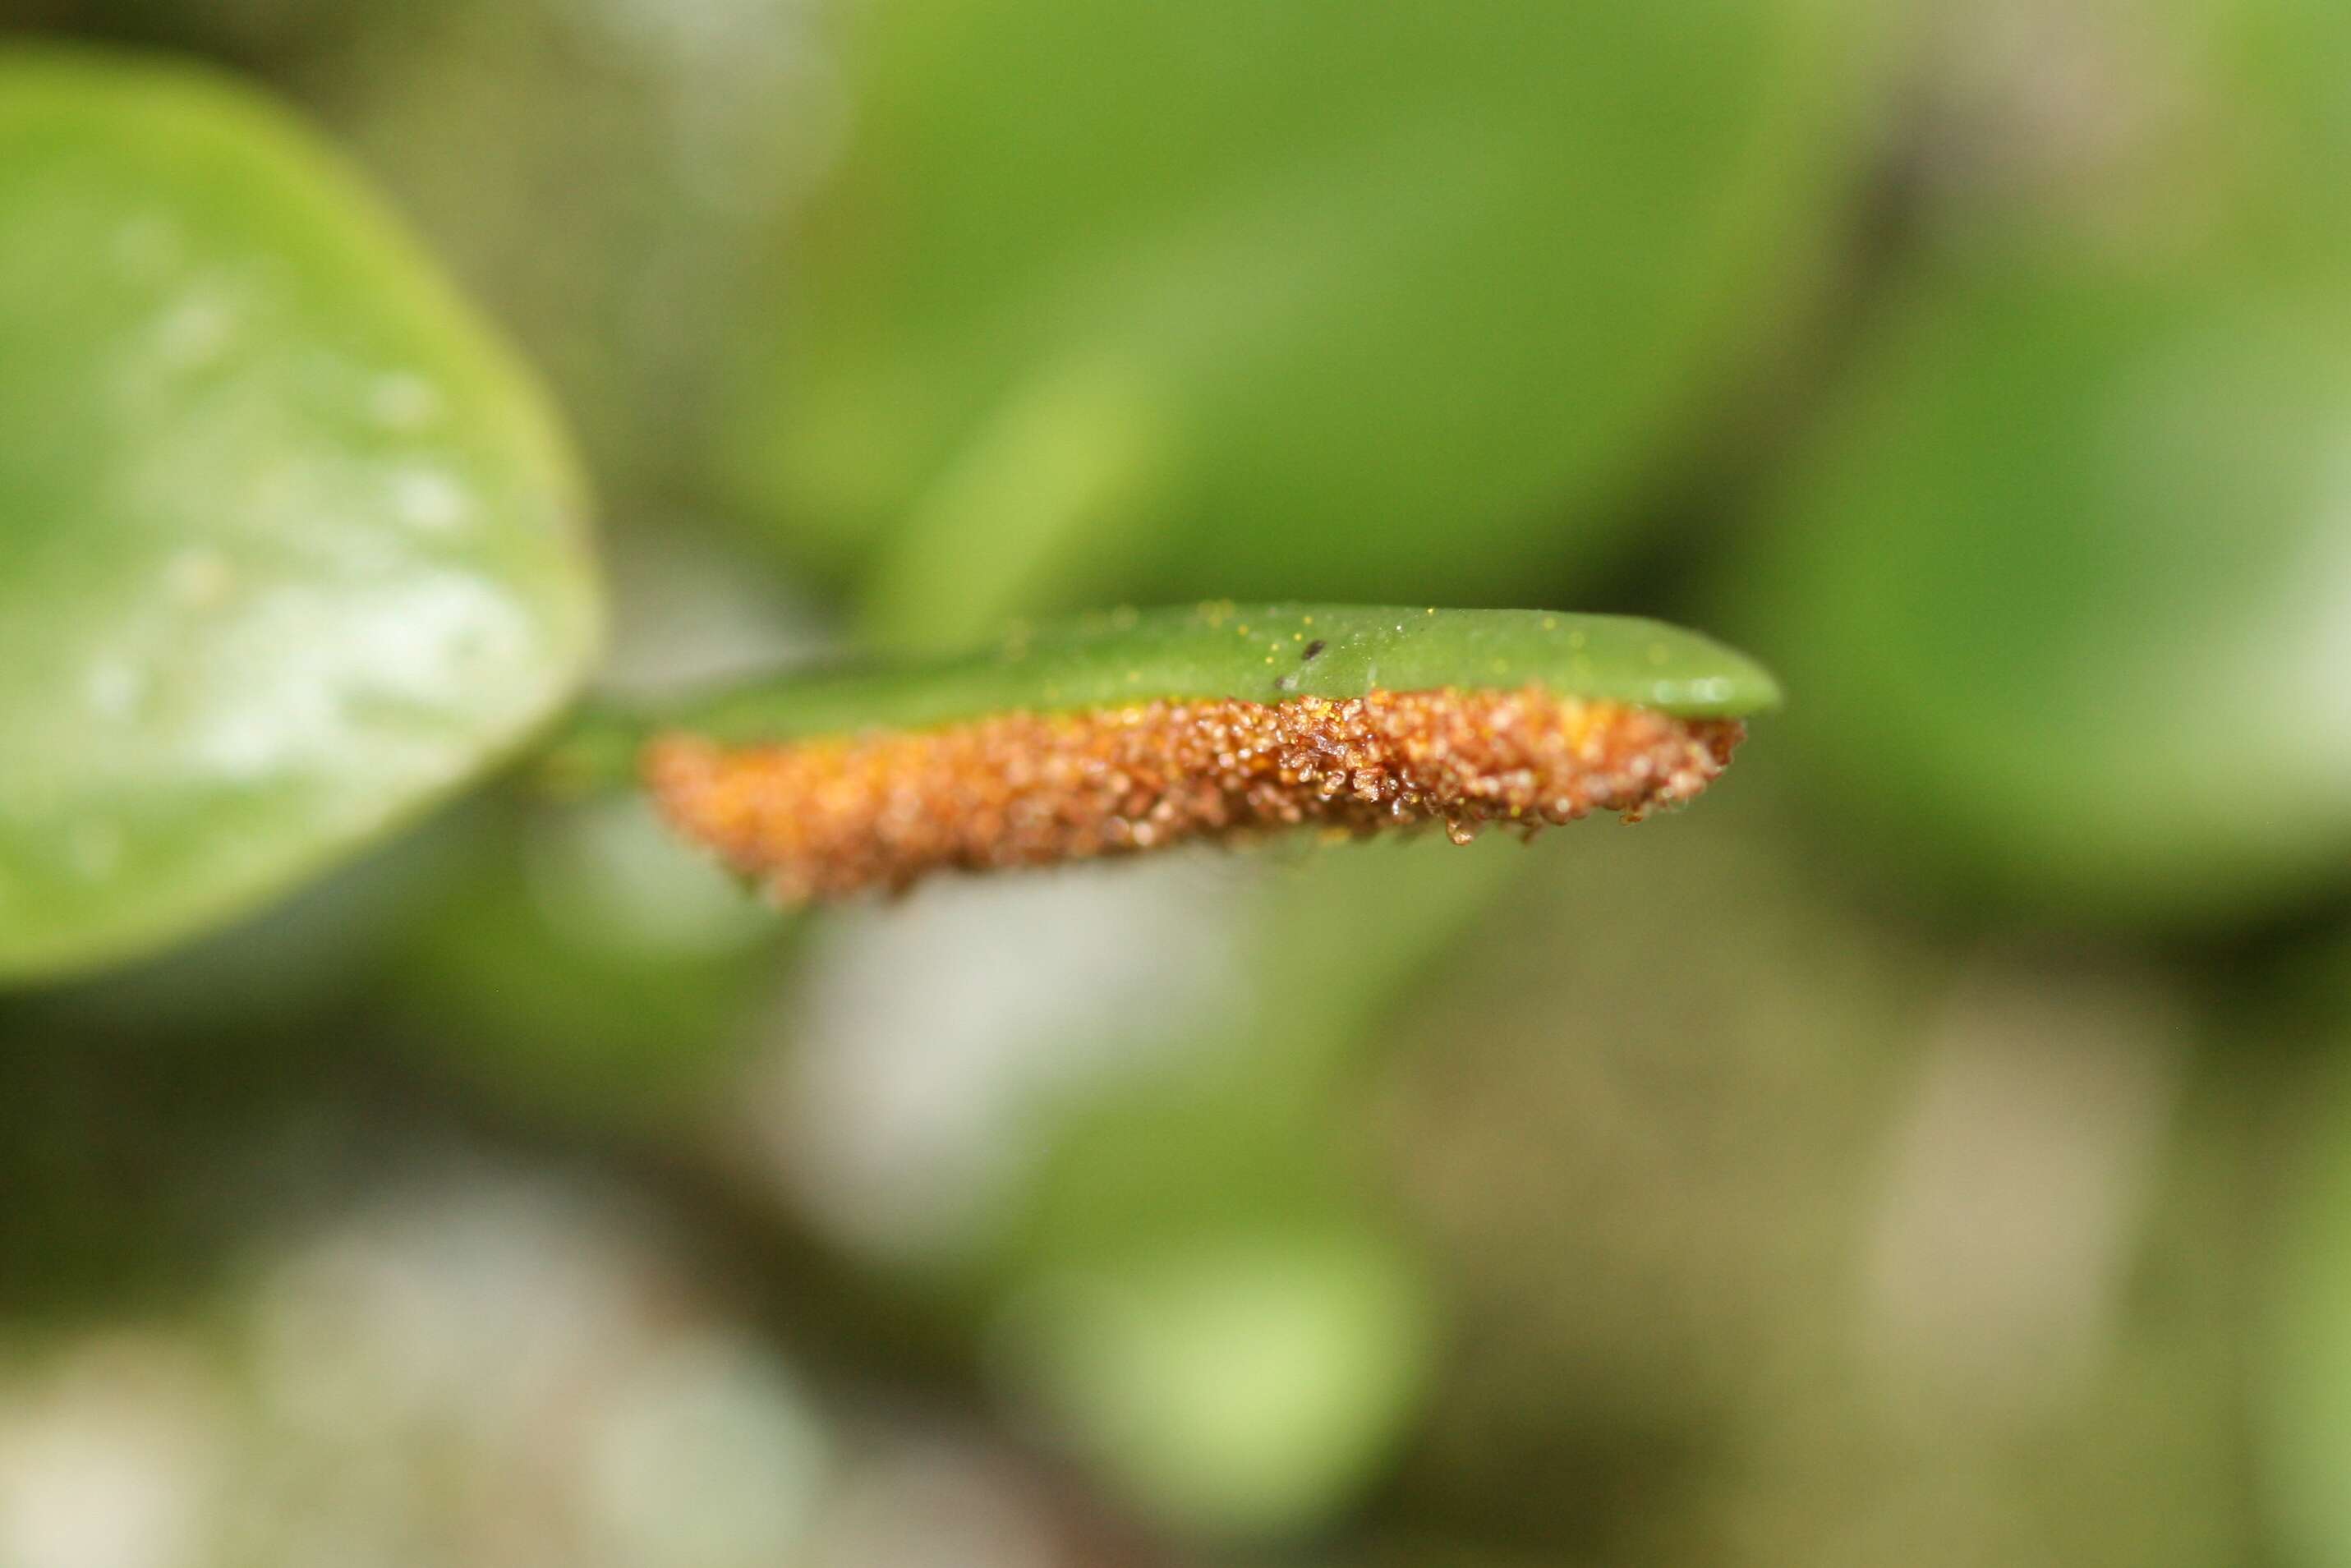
[{"x": 822, "y": 818}]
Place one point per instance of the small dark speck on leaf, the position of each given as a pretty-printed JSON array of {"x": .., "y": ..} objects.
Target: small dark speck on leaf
[{"x": 1312, "y": 648}]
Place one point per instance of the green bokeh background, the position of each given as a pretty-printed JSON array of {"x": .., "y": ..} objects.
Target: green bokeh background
[{"x": 1929, "y": 1149}]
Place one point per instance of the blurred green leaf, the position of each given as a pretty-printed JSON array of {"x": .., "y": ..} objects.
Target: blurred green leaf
[
  {"x": 1244, "y": 1383},
  {"x": 1230, "y": 298},
  {"x": 592, "y": 968},
  {"x": 1197, "y": 1296},
  {"x": 2277, "y": 108},
  {"x": 293, "y": 547},
  {"x": 2065, "y": 584},
  {"x": 289, "y": 971}
]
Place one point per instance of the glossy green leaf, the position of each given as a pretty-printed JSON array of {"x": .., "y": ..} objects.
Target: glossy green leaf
[
  {"x": 2067, "y": 585},
  {"x": 289, "y": 548},
  {"x": 1225, "y": 296},
  {"x": 1260, "y": 653}
]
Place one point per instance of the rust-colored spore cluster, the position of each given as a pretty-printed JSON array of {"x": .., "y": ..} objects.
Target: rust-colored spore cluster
[{"x": 824, "y": 818}]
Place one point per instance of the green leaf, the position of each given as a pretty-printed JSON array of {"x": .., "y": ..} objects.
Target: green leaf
[
  {"x": 592, "y": 966},
  {"x": 1258, "y": 652},
  {"x": 1246, "y": 1382},
  {"x": 1228, "y": 297},
  {"x": 2066, "y": 581},
  {"x": 289, "y": 548}
]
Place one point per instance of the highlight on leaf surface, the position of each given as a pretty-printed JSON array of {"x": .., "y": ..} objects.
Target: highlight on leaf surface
[{"x": 1134, "y": 730}]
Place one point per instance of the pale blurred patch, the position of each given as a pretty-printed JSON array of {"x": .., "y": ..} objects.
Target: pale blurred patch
[
  {"x": 927, "y": 1501},
  {"x": 2019, "y": 1181},
  {"x": 110, "y": 1454},
  {"x": 479, "y": 1368},
  {"x": 913, "y": 1065}
]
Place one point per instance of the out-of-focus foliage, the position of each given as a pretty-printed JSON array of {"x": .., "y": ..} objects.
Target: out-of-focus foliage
[
  {"x": 291, "y": 547},
  {"x": 1225, "y": 297},
  {"x": 1844, "y": 1253},
  {"x": 2067, "y": 587},
  {"x": 587, "y": 962},
  {"x": 604, "y": 174},
  {"x": 2066, "y": 563},
  {"x": 1927, "y": 1151}
]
